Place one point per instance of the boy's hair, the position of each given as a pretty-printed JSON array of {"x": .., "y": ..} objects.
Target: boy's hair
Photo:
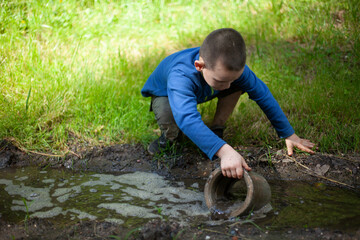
[{"x": 226, "y": 45}]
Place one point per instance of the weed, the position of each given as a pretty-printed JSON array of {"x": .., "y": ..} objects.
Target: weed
[
  {"x": 27, "y": 100},
  {"x": 247, "y": 220},
  {"x": 167, "y": 156},
  {"x": 178, "y": 234},
  {"x": 253, "y": 223},
  {"x": 27, "y": 216},
  {"x": 160, "y": 212},
  {"x": 269, "y": 155},
  {"x": 158, "y": 209}
]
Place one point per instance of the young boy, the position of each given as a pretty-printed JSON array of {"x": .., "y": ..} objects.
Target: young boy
[{"x": 192, "y": 76}]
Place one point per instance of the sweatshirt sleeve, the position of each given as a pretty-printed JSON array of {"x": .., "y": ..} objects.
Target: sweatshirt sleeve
[
  {"x": 183, "y": 103},
  {"x": 261, "y": 94}
]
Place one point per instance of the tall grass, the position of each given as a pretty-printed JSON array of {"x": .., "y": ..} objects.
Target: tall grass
[{"x": 72, "y": 71}]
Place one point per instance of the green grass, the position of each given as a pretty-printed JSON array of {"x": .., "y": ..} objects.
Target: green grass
[{"x": 72, "y": 71}]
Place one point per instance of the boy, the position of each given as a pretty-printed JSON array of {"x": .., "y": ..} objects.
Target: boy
[{"x": 192, "y": 76}]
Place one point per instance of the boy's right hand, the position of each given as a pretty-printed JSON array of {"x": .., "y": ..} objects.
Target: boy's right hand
[{"x": 232, "y": 163}]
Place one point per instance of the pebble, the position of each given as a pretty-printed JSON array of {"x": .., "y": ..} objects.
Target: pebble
[
  {"x": 34, "y": 195},
  {"x": 107, "y": 195},
  {"x": 93, "y": 190}
]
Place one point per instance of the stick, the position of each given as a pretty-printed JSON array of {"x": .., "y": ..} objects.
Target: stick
[{"x": 311, "y": 172}]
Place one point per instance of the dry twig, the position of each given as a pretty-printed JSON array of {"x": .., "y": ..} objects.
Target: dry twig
[{"x": 311, "y": 172}]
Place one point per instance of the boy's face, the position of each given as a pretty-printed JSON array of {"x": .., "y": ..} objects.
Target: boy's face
[{"x": 219, "y": 78}]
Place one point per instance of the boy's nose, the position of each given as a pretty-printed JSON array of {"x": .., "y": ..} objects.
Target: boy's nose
[{"x": 225, "y": 86}]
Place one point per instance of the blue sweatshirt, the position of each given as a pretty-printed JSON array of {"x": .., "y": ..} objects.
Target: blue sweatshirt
[{"x": 177, "y": 78}]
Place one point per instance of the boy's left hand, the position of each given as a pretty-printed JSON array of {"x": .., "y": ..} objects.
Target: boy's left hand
[{"x": 302, "y": 144}]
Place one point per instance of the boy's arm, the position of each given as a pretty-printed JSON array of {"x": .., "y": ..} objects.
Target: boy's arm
[
  {"x": 259, "y": 92},
  {"x": 183, "y": 103}
]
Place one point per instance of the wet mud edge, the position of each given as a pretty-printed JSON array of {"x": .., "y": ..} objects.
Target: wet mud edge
[{"x": 333, "y": 169}]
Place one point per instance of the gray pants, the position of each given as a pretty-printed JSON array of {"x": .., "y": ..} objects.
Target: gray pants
[{"x": 164, "y": 117}]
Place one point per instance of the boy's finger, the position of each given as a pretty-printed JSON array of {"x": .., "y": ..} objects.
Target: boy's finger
[
  {"x": 290, "y": 150},
  {"x": 234, "y": 173},
  {"x": 308, "y": 144},
  {"x": 246, "y": 166},
  {"x": 239, "y": 172},
  {"x": 309, "y": 151},
  {"x": 305, "y": 149}
]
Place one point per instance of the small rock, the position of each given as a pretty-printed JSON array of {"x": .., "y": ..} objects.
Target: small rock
[
  {"x": 5, "y": 159},
  {"x": 68, "y": 164},
  {"x": 34, "y": 195},
  {"x": 321, "y": 170}
]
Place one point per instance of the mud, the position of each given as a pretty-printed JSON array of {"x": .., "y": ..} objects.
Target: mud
[{"x": 186, "y": 163}]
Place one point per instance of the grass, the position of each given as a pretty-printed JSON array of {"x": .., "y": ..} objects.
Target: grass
[
  {"x": 72, "y": 71},
  {"x": 27, "y": 216}
]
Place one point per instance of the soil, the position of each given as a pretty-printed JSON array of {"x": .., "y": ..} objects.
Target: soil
[{"x": 335, "y": 169}]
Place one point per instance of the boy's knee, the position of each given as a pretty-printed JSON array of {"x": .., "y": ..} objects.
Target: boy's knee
[
  {"x": 162, "y": 110},
  {"x": 164, "y": 117},
  {"x": 170, "y": 131}
]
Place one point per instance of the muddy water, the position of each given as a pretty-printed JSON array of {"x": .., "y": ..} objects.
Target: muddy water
[
  {"x": 311, "y": 205},
  {"x": 132, "y": 199},
  {"x": 127, "y": 199}
]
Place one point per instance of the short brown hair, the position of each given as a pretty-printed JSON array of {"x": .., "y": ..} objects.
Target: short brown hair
[{"x": 226, "y": 45}]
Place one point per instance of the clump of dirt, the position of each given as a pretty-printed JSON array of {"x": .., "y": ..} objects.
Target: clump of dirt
[
  {"x": 160, "y": 230},
  {"x": 274, "y": 164}
]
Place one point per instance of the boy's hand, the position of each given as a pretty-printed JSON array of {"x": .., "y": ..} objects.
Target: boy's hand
[
  {"x": 302, "y": 144},
  {"x": 232, "y": 163}
]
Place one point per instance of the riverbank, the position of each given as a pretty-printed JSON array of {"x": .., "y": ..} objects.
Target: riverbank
[{"x": 320, "y": 170}]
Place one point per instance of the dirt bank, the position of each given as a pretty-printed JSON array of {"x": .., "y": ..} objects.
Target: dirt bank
[{"x": 188, "y": 162}]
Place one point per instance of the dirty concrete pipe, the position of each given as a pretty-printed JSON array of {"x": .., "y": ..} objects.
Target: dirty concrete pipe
[{"x": 217, "y": 188}]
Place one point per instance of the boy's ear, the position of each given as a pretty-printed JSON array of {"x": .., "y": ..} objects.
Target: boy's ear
[{"x": 199, "y": 64}]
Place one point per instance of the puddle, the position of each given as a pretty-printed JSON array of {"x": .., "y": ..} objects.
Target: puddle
[
  {"x": 127, "y": 199},
  {"x": 310, "y": 205},
  {"x": 133, "y": 199}
]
